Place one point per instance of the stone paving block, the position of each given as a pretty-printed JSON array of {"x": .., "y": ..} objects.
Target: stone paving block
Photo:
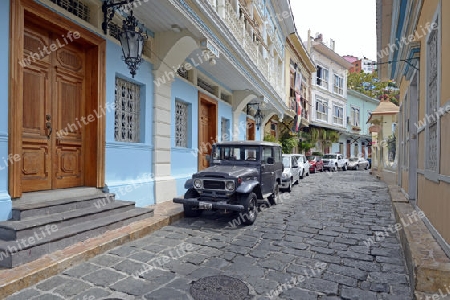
[
  {"x": 81, "y": 270},
  {"x": 24, "y": 294},
  {"x": 52, "y": 283},
  {"x": 166, "y": 293},
  {"x": 344, "y": 280},
  {"x": 48, "y": 297},
  {"x": 135, "y": 287},
  {"x": 106, "y": 260},
  {"x": 357, "y": 294},
  {"x": 93, "y": 293},
  {"x": 72, "y": 288},
  {"x": 103, "y": 277}
]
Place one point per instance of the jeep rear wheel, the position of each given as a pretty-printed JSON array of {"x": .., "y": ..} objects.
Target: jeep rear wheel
[
  {"x": 189, "y": 211},
  {"x": 251, "y": 208},
  {"x": 274, "y": 199}
]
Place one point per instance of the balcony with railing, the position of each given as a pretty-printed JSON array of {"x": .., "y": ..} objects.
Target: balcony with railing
[{"x": 251, "y": 42}]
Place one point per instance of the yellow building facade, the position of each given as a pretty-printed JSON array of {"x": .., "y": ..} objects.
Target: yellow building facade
[{"x": 413, "y": 42}]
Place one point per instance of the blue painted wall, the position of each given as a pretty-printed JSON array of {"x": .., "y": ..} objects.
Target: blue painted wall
[
  {"x": 226, "y": 112},
  {"x": 365, "y": 104},
  {"x": 184, "y": 161},
  {"x": 5, "y": 199},
  {"x": 129, "y": 165}
]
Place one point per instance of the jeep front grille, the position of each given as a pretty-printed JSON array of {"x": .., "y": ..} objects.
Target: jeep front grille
[{"x": 213, "y": 185}]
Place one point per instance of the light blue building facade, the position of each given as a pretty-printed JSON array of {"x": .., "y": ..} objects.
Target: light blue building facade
[
  {"x": 152, "y": 122},
  {"x": 358, "y": 138}
]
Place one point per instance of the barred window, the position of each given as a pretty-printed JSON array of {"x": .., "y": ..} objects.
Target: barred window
[
  {"x": 127, "y": 113},
  {"x": 225, "y": 129},
  {"x": 181, "y": 124},
  {"x": 76, "y": 7},
  {"x": 432, "y": 139}
]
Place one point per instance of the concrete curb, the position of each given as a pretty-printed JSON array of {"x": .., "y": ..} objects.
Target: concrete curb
[
  {"x": 13, "y": 280},
  {"x": 428, "y": 265}
]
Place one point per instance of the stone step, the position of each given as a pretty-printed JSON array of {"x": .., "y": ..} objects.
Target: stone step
[
  {"x": 16, "y": 230},
  {"x": 28, "y": 209},
  {"x": 15, "y": 253}
]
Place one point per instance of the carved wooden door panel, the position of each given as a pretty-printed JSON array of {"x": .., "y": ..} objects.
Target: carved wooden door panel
[
  {"x": 53, "y": 100},
  {"x": 203, "y": 137}
]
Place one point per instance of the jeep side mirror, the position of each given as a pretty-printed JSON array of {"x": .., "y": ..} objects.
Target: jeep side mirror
[{"x": 270, "y": 161}]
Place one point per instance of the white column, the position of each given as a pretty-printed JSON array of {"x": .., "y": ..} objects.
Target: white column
[{"x": 165, "y": 185}]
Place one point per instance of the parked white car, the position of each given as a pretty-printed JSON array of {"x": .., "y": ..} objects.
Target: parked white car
[
  {"x": 335, "y": 161},
  {"x": 358, "y": 163},
  {"x": 303, "y": 165},
  {"x": 290, "y": 174}
]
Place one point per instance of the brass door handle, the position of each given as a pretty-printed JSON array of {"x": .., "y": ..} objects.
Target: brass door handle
[
  {"x": 50, "y": 129},
  {"x": 48, "y": 125}
]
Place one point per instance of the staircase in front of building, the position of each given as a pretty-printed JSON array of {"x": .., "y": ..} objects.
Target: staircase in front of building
[{"x": 45, "y": 222}]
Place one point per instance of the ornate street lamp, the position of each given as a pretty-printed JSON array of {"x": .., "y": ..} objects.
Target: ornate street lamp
[
  {"x": 258, "y": 115},
  {"x": 131, "y": 35}
]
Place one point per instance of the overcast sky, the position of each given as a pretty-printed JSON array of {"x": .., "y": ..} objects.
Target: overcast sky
[{"x": 351, "y": 23}]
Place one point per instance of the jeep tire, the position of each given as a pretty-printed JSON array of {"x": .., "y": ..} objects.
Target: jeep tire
[
  {"x": 250, "y": 203},
  {"x": 189, "y": 211},
  {"x": 274, "y": 199}
]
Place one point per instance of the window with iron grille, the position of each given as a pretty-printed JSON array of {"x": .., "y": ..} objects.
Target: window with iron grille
[
  {"x": 432, "y": 138},
  {"x": 114, "y": 30},
  {"x": 181, "y": 124},
  {"x": 182, "y": 72},
  {"x": 225, "y": 97},
  {"x": 127, "y": 113},
  {"x": 225, "y": 129},
  {"x": 76, "y": 7},
  {"x": 204, "y": 85}
]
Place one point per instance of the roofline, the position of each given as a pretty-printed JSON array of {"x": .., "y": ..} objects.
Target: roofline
[
  {"x": 330, "y": 53},
  {"x": 365, "y": 97}
]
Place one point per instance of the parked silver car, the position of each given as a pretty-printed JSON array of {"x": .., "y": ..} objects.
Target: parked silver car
[
  {"x": 358, "y": 163},
  {"x": 291, "y": 173}
]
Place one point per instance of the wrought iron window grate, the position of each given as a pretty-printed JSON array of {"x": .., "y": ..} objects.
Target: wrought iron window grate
[
  {"x": 225, "y": 97},
  {"x": 181, "y": 124},
  {"x": 114, "y": 30},
  {"x": 204, "y": 85},
  {"x": 183, "y": 73},
  {"x": 225, "y": 129},
  {"x": 432, "y": 139},
  {"x": 127, "y": 113},
  {"x": 76, "y": 7}
]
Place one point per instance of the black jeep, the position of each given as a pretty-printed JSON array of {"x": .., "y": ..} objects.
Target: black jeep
[{"x": 241, "y": 176}]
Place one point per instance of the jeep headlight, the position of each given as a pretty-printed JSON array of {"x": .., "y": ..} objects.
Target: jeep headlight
[
  {"x": 198, "y": 184},
  {"x": 229, "y": 185},
  {"x": 285, "y": 175}
]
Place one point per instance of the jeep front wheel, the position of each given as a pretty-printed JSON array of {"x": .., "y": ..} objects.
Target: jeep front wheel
[
  {"x": 189, "y": 211},
  {"x": 274, "y": 199},
  {"x": 249, "y": 201}
]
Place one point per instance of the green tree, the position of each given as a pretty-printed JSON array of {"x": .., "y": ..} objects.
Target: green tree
[{"x": 369, "y": 84}]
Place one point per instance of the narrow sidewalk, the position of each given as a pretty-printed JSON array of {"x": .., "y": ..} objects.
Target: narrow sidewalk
[{"x": 428, "y": 265}]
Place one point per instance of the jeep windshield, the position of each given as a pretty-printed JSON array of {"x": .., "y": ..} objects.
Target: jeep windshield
[
  {"x": 235, "y": 153},
  {"x": 329, "y": 156}
]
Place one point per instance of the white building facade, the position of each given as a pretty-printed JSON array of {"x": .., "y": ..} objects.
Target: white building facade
[{"x": 329, "y": 91}]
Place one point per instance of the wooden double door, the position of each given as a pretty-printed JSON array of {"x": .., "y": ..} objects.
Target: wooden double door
[
  {"x": 53, "y": 105},
  {"x": 207, "y": 129}
]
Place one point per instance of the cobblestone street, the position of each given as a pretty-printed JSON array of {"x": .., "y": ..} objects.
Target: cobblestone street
[{"x": 318, "y": 244}]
